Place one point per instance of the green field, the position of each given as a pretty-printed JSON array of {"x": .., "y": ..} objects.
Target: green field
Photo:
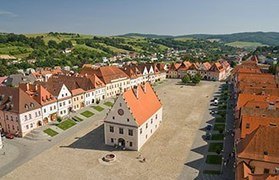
[
  {"x": 50, "y": 132},
  {"x": 98, "y": 108},
  {"x": 242, "y": 44},
  {"x": 109, "y": 104},
  {"x": 87, "y": 114},
  {"x": 64, "y": 125}
]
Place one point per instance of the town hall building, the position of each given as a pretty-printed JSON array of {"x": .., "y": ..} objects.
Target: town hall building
[{"x": 133, "y": 119}]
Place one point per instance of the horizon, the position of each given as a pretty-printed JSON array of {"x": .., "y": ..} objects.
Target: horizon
[{"x": 114, "y": 18}]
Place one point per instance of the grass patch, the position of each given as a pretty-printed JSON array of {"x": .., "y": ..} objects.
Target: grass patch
[
  {"x": 213, "y": 159},
  {"x": 50, "y": 132},
  {"x": 217, "y": 137},
  {"x": 215, "y": 147},
  {"x": 211, "y": 172},
  {"x": 87, "y": 114},
  {"x": 220, "y": 120},
  {"x": 219, "y": 127},
  {"x": 98, "y": 108},
  {"x": 76, "y": 118},
  {"x": 109, "y": 104},
  {"x": 64, "y": 125}
]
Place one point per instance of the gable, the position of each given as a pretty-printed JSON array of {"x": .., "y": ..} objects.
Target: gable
[
  {"x": 64, "y": 92},
  {"x": 125, "y": 119}
]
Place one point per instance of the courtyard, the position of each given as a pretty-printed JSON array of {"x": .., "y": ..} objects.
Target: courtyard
[{"x": 185, "y": 111}]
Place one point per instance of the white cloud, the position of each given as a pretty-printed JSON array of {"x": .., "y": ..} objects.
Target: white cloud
[{"x": 7, "y": 14}]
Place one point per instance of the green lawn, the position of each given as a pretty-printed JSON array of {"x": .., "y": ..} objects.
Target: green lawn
[
  {"x": 50, "y": 132},
  {"x": 218, "y": 127},
  {"x": 211, "y": 172},
  {"x": 64, "y": 125},
  {"x": 217, "y": 137},
  {"x": 98, "y": 108},
  {"x": 87, "y": 114},
  {"x": 220, "y": 120},
  {"x": 108, "y": 103},
  {"x": 76, "y": 118},
  {"x": 213, "y": 159},
  {"x": 215, "y": 147}
]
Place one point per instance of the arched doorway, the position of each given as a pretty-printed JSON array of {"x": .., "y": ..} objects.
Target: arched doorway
[
  {"x": 39, "y": 123},
  {"x": 45, "y": 120},
  {"x": 121, "y": 142}
]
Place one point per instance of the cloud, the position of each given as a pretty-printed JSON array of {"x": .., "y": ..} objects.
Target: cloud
[{"x": 7, "y": 14}]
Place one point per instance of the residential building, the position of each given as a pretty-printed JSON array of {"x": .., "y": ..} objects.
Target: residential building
[
  {"x": 115, "y": 79},
  {"x": 172, "y": 71},
  {"x": 216, "y": 72},
  {"x": 47, "y": 101},
  {"x": 260, "y": 150},
  {"x": 19, "y": 113},
  {"x": 134, "y": 117}
]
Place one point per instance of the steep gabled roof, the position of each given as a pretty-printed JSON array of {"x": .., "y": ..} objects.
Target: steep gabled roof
[
  {"x": 97, "y": 83},
  {"x": 16, "y": 100},
  {"x": 261, "y": 145},
  {"x": 143, "y": 102}
]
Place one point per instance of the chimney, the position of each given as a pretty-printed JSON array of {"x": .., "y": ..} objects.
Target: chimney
[{"x": 271, "y": 106}]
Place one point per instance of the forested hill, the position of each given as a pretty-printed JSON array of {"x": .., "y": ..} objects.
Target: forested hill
[{"x": 264, "y": 38}]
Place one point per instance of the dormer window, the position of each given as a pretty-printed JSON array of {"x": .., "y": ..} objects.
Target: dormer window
[
  {"x": 265, "y": 153},
  {"x": 26, "y": 106}
]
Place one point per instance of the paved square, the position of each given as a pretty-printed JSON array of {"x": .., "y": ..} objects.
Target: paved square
[{"x": 78, "y": 156}]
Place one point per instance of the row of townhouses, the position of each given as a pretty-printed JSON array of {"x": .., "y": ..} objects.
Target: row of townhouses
[
  {"x": 256, "y": 122},
  {"x": 56, "y": 93},
  {"x": 215, "y": 71}
]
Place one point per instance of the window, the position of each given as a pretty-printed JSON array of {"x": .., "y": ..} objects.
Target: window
[
  {"x": 64, "y": 103},
  {"x": 8, "y": 126},
  {"x": 266, "y": 171},
  {"x": 128, "y": 119},
  {"x": 30, "y": 117},
  {"x": 146, "y": 136},
  {"x": 36, "y": 114},
  {"x": 60, "y": 104},
  {"x": 44, "y": 110},
  {"x": 121, "y": 131},
  {"x": 111, "y": 140},
  {"x": 39, "y": 112},
  {"x": 130, "y": 132},
  {"x": 140, "y": 130},
  {"x": 50, "y": 108},
  {"x": 131, "y": 144},
  {"x": 156, "y": 117},
  {"x": 111, "y": 129},
  {"x": 13, "y": 127},
  {"x": 27, "y": 127},
  {"x": 69, "y": 101},
  {"x": 7, "y": 117},
  {"x": 120, "y": 104},
  {"x": 113, "y": 117},
  {"x": 146, "y": 125},
  {"x": 247, "y": 125},
  {"x": 151, "y": 121},
  {"x": 31, "y": 125},
  {"x": 25, "y": 117}
]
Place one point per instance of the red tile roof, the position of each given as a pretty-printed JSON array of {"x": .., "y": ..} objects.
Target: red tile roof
[
  {"x": 16, "y": 100},
  {"x": 143, "y": 102},
  {"x": 261, "y": 145},
  {"x": 106, "y": 73}
]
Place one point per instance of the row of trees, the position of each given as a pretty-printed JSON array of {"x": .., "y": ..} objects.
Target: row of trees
[{"x": 188, "y": 79}]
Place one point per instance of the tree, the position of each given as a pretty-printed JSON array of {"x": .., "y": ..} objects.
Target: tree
[
  {"x": 196, "y": 78},
  {"x": 52, "y": 44},
  {"x": 186, "y": 79}
]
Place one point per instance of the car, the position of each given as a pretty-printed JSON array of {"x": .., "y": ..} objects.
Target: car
[
  {"x": 208, "y": 127},
  {"x": 208, "y": 136},
  {"x": 10, "y": 136}
]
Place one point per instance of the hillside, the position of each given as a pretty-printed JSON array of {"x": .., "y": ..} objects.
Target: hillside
[{"x": 264, "y": 38}]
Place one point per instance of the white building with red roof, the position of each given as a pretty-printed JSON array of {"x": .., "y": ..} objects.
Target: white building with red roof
[{"x": 133, "y": 119}]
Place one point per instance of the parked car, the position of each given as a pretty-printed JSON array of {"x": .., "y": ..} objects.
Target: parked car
[
  {"x": 208, "y": 136},
  {"x": 10, "y": 136},
  {"x": 208, "y": 127}
]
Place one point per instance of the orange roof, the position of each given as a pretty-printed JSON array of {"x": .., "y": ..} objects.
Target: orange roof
[
  {"x": 143, "y": 102},
  {"x": 261, "y": 91},
  {"x": 38, "y": 93},
  {"x": 217, "y": 67},
  {"x": 244, "y": 98},
  {"x": 206, "y": 66},
  {"x": 184, "y": 65},
  {"x": 106, "y": 73},
  {"x": 77, "y": 91},
  {"x": 174, "y": 66},
  {"x": 249, "y": 123},
  {"x": 261, "y": 145},
  {"x": 97, "y": 83}
]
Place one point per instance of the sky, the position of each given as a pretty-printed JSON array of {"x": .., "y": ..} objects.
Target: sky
[{"x": 115, "y": 17}]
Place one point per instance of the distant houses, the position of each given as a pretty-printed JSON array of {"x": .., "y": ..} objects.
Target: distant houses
[{"x": 215, "y": 71}]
